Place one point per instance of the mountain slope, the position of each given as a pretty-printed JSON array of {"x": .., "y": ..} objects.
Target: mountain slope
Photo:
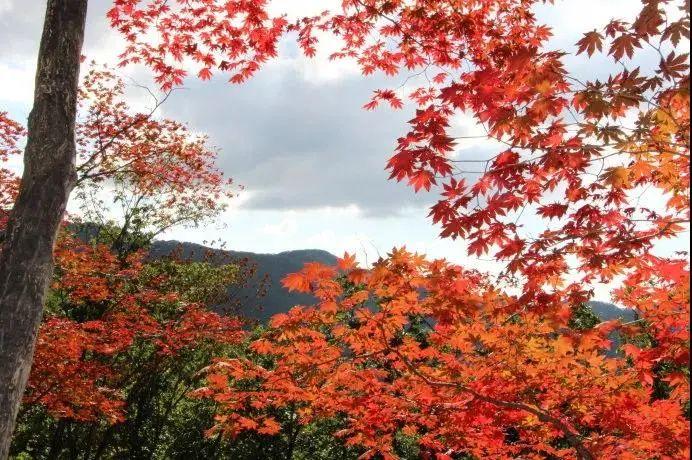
[
  {"x": 271, "y": 268},
  {"x": 607, "y": 311}
]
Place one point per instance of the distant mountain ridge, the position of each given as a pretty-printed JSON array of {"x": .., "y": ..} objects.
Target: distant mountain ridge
[
  {"x": 274, "y": 267},
  {"x": 271, "y": 268},
  {"x": 607, "y": 311}
]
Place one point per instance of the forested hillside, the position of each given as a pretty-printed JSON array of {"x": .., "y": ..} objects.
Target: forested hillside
[{"x": 262, "y": 295}]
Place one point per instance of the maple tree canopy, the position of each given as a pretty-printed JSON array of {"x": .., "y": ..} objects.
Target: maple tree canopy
[
  {"x": 575, "y": 154},
  {"x": 106, "y": 301},
  {"x": 448, "y": 356}
]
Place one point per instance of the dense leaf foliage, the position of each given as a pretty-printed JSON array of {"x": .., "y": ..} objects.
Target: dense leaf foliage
[
  {"x": 409, "y": 357},
  {"x": 118, "y": 351},
  {"x": 155, "y": 170},
  {"x": 430, "y": 350},
  {"x": 123, "y": 338},
  {"x": 235, "y": 36},
  {"x": 499, "y": 374}
]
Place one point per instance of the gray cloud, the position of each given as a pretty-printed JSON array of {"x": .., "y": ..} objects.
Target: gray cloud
[
  {"x": 293, "y": 143},
  {"x": 296, "y": 144},
  {"x": 22, "y": 21},
  {"x": 20, "y": 29}
]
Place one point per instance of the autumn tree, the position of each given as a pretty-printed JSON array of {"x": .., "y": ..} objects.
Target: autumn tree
[
  {"x": 575, "y": 153},
  {"x": 124, "y": 338},
  {"x": 502, "y": 374},
  {"x": 137, "y": 174},
  {"x": 122, "y": 344},
  {"x": 431, "y": 351},
  {"x": 157, "y": 174},
  {"x": 49, "y": 168},
  {"x": 94, "y": 346}
]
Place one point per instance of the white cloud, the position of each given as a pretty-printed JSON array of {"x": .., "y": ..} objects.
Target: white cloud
[
  {"x": 16, "y": 82},
  {"x": 287, "y": 226},
  {"x": 5, "y": 6}
]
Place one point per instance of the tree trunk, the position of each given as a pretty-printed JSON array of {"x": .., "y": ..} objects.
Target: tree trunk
[{"x": 26, "y": 260}]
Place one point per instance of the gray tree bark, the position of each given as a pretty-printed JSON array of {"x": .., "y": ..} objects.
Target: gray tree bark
[{"x": 26, "y": 260}]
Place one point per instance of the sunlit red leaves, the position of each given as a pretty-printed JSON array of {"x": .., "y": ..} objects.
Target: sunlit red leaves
[
  {"x": 515, "y": 87},
  {"x": 522, "y": 94},
  {"x": 196, "y": 325},
  {"x": 79, "y": 371},
  {"x": 66, "y": 383},
  {"x": 204, "y": 74},
  {"x": 676, "y": 31},
  {"x": 624, "y": 45},
  {"x": 485, "y": 363},
  {"x": 11, "y": 134},
  {"x": 576, "y": 150},
  {"x": 296, "y": 282},
  {"x": 347, "y": 262},
  {"x": 91, "y": 273},
  {"x": 674, "y": 66},
  {"x": 171, "y": 170},
  {"x": 80, "y": 368},
  {"x": 422, "y": 179},
  {"x": 554, "y": 210},
  {"x": 233, "y": 36},
  {"x": 590, "y": 43},
  {"x": 313, "y": 277},
  {"x": 158, "y": 154},
  {"x": 659, "y": 290},
  {"x": 387, "y": 96}
]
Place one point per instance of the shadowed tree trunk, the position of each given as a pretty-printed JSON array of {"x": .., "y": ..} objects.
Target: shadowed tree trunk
[{"x": 26, "y": 260}]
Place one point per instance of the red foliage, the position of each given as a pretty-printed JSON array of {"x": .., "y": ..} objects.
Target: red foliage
[
  {"x": 91, "y": 273},
  {"x": 659, "y": 291},
  {"x": 578, "y": 155},
  {"x": 485, "y": 366},
  {"x": 557, "y": 131},
  {"x": 233, "y": 36},
  {"x": 77, "y": 373},
  {"x": 67, "y": 383},
  {"x": 11, "y": 133},
  {"x": 157, "y": 153},
  {"x": 496, "y": 375},
  {"x": 196, "y": 325},
  {"x": 569, "y": 152},
  {"x": 168, "y": 170}
]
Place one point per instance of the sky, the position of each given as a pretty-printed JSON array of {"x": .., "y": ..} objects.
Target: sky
[{"x": 296, "y": 137}]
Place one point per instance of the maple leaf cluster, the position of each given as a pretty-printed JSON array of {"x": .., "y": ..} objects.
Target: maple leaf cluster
[
  {"x": 659, "y": 290},
  {"x": 412, "y": 347},
  {"x": 234, "y": 36},
  {"x": 107, "y": 303},
  {"x": 155, "y": 167},
  {"x": 103, "y": 309},
  {"x": 575, "y": 153},
  {"x": 434, "y": 351},
  {"x": 500, "y": 375},
  {"x": 11, "y": 133},
  {"x": 156, "y": 170}
]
